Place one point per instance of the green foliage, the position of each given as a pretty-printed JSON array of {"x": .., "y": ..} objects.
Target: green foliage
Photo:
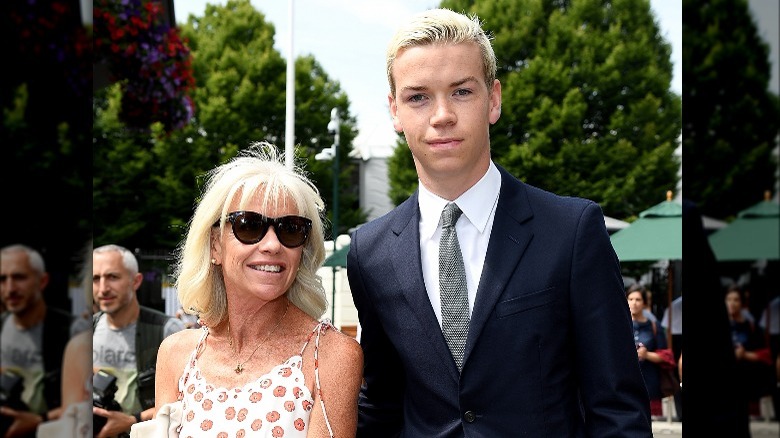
[
  {"x": 147, "y": 182},
  {"x": 730, "y": 135},
  {"x": 587, "y": 108}
]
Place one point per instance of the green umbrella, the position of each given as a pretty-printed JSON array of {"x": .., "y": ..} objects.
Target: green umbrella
[
  {"x": 338, "y": 258},
  {"x": 656, "y": 235},
  {"x": 753, "y": 235}
]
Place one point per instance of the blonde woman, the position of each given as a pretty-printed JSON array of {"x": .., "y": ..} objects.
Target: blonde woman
[{"x": 263, "y": 364}]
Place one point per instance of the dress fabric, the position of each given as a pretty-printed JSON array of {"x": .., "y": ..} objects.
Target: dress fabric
[{"x": 277, "y": 404}]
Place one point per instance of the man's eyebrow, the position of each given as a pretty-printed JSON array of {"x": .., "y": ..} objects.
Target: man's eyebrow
[
  {"x": 463, "y": 81},
  {"x": 106, "y": 274},
  {"x": 414, "y": 88}
]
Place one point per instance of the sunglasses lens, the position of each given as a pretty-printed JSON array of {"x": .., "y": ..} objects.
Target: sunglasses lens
[
  {"x": 292, "y": 231},
  {"x": 249, "y": 227}
]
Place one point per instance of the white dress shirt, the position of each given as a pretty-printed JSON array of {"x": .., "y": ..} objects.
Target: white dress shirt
[{"x": 478, "y": 205}]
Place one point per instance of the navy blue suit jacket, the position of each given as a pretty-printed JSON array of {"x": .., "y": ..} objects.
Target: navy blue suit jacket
[{"x": 550, "y": 350}]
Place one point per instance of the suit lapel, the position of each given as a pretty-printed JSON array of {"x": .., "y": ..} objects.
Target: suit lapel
[
  {"x": 406, "y": 265},
  {"x": 509, "y": 237}
]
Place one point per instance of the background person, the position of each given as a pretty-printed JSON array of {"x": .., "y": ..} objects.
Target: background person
[
  {"x": 32, "y": 341},
  {"x": 648, "y": 337},
  {"x": 249, "y": 267},
  {"x": 755, "y": 371},
  {"x": 190, "y": 320},
  {"x": 544, "y": 344},
  {"x": 714, "y": 409},
  {"x": 126, "y": 338},
  {"x": 676, "y": 328},
  {"x": 648, "y": 304},
  {"x": 770, "y": 323}
]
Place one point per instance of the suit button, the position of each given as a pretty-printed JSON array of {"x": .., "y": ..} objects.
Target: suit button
[{"x": 469, "y": 416}]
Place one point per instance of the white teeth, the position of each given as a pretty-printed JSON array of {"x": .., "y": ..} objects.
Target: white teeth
[{"x": 268, "y": 268}]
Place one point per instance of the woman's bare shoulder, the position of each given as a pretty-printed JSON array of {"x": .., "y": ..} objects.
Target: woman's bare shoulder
[{"x": 347, "y": 350}]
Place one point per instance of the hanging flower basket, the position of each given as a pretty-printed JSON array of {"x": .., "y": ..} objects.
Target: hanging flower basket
[{"x": 149, "y": 58}]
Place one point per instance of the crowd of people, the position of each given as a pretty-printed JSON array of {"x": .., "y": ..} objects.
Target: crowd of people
[
  {"x": 487, "y": 306},
  {"x": 755, "y": 348}
]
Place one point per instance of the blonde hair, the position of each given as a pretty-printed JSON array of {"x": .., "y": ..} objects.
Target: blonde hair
[
  {"x": 256, "y": 171},
  {"x": 442, "y": 26}
]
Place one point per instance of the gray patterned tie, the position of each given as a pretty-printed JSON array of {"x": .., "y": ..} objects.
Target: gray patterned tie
[{"x": 452, "y": 283}]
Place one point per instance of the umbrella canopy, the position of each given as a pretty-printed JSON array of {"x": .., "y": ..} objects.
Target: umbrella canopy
[
  {"x": 753, "y": 235},
  {"x": 656, "y": 235},
  {"x": 338, "y": 258}
]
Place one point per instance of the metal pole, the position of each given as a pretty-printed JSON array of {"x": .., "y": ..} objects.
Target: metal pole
[
  {"x": 289, "y": 131},
  {"x": 335, "y": 117}
]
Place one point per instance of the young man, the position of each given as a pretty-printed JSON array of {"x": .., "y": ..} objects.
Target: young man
[
  {"x": 32, "y": 342},
  {"x": 539, "y": 339},
  {"x": 126, "y": 338}
]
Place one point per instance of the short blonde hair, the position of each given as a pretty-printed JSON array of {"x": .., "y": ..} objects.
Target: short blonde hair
[
  {"x": 258, "y": 170},
  {"x": 442, "y": 26}
]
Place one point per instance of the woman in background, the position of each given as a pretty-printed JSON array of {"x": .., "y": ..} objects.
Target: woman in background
[{"x": 648, "y": 337}]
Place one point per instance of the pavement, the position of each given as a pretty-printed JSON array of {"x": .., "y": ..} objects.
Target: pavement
[{"x": 758, "y": 429}]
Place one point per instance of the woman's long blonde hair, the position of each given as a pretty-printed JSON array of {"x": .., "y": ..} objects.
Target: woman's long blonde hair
[{"x": 256, "y": 171}]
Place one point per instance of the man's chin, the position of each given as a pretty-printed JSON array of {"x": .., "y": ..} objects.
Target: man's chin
[
  {"x": 108, "y": 309},
  {"x": 15, "y": 306},
  {"x": 15, "y": 309}
]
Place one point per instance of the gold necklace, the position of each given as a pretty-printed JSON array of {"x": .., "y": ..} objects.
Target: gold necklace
[{"x": 240, "y": 365}]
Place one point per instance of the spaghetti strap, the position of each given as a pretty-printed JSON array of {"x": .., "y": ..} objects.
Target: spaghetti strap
[
  {"x": 320, "y": 328},
  {"x": 192, "y": 361},
  {"x": 201, "y": 343}
]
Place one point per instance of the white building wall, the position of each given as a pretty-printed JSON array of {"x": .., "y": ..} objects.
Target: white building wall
[{"x": 374, "y": 185}]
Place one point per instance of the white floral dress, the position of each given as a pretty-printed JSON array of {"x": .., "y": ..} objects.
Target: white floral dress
[{"x": 277, "y": 404}]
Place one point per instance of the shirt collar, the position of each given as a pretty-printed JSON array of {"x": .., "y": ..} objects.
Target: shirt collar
[{"x": 471, "y": 203}]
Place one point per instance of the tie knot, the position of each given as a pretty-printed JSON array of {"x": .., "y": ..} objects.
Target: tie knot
[{"x": 450, "y": 215}]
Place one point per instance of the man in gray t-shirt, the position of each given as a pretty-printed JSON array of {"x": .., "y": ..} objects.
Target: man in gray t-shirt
[
  {"x": 32, "y": 342},
  {"x": 119, "y": 327},
  {"x": 114, "y": 351}
]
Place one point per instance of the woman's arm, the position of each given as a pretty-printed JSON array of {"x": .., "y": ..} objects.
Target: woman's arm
[
  {"x": 341, "y": 374},
  {"x": 172, "y": 357}
]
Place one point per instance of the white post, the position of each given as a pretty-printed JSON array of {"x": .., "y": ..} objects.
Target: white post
[
  {"x": 86, "y": 12},
  {"x": 289, "y": 131}
]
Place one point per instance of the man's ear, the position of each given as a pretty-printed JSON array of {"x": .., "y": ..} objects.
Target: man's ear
[
  {"x": 394, "y": 113},
  {"x": 495, "y": 102},
  {"x": 138, "y": 278},
  {"x": 44, "y": 280}
]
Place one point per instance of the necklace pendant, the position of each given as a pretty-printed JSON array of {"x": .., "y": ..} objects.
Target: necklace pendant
[{"x": 239, "y": 368}]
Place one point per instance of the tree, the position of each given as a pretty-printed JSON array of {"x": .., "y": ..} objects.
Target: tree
[
  {"x": 587, "y": 107},
  {"x": 730, "y": 135},
  {"x": 239, "y": 99}
]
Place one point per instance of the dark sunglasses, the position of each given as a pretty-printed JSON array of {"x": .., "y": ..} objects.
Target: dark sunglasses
[{"x": 250, "y": 227}]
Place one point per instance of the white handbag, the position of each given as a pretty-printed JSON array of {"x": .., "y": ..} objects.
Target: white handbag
[
  {"x": 75, "y": 422},
  {"x": 165, "y": 423}
]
